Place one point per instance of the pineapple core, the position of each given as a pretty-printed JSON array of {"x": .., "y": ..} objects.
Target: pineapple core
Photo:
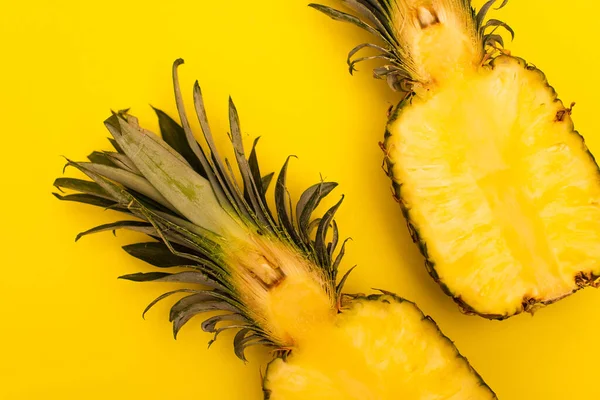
[
  {"x": 284, "y": 293},
  {"x": 382, "y": 349},
  {"x": 443, "y": 52},
  {"x": 435, "y": 45},
  {"x": 503, "y": 191}
]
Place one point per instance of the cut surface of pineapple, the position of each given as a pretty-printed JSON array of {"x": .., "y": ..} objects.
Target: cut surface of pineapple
[
  {"x": 282, "y": 290},
  {"x": 500, "y": 192},
  {"x": 503, "y": 191},
  {"x": 381, "y": 348}
]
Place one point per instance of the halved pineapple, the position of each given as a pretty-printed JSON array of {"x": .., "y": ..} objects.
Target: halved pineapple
[
  {"x": 500, "y": 192},
  {"x": 411, "y": 360},
  {"x": 273, "y": 277}
]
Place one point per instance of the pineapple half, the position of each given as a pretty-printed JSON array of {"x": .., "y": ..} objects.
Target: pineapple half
[
  {"x": 269, "y": 276},
  {"x": 499, "y": 190}
]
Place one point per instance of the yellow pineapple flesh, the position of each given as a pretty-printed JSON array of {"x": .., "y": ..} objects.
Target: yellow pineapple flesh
[
  {"x": 503, "y": 191},
  {"x": 381, "y": 348}
]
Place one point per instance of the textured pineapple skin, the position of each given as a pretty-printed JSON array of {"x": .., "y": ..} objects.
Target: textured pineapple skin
[
  {"x": 387, "y": 297},
  {"x": 529, "y": 305}
]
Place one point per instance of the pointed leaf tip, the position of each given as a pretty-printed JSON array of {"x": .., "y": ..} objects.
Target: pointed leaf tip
[
  {"x": 342, "y": 282},
  {"x": 164, "y": 296},
  {"x": 174, "y": 135},
  {"x": 139, "y": 226},
  {"x": 144, "y": 276}
]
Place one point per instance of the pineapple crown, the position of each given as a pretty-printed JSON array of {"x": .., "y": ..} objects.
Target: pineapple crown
[
  {"x": 186, "y": 199},
  {"x": 387, "y": 20}
]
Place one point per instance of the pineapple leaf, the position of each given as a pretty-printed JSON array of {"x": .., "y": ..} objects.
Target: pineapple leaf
[
  {"x": 156, "y": 253},
  {"x": 159, "y": 255},
  {"x": 122, "y": 161},
  {"x": 174, "y": 135},
  {"x": 98, "y": 157},
  {"x": 344, "y": 17},
  {"x": 192, "y": 277},
  {"x": 334, "y": 240},
  {"x": 246, "y": 338},
  {"x": 250, "y": 185},
  {"x": 118, "y": 193},
  {"x": 199, "y": 308},
  {"x": 189, "y": 193},
  {"x": 244, "y": 207},
  {"x": 87, "y": 199},
  {"x": 116, "y": 146},
  {"x": 497, "y": 23},
  {"x": 262, "y": 185},
  {"x": 210, "y": 324},
  {"x": 138, "y": 226},
  {"x": 282, "y": 203},
  {"x": 129, "y": 180},
  {"x": 185, "y": 302},
  {"x": 351, "y": 63},
  {"x": 219, "y": 190},
  {"x": 314, "y": 224},
  {"x": 164, "y": 296},
  {"x": 81, "y": 185},
  {"x": 172, "y": 234},
  {"x": 367, "y": 12},
  {"x": 238, "y": 343},
  {"x": 197, "y": 300},
  {"x": 145, "y": 276},
  {"x": 266, "y": 182},
  {"x": 320, "y": 241},
  {"x": 386, "y": 70},
  {"x": 483, "y": 11},
  {"x": 221, "y": 179},
  {"x": 380, "y": 21},
  {"x": 253, "y": 164},
  {"x": 338, "y": 259},
  {"x": 218, "y": 331},
  {"x": 493, "y": 39},
  {"x": 309, "y": 201},
  {"x": 340, "y": 287}
]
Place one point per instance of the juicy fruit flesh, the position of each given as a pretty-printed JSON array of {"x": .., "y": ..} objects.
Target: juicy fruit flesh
[
  {"x": 299, "y": 307},
  {"x": 500, "y": 188},
  {"x": 377, "y": 350},
  {"x": 436, "y": 39},
  {"x": 443, "y": 51},
  {"x": 281, "y": 290}
]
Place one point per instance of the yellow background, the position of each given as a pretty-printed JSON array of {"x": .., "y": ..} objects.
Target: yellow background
[{"x": 70, "y": 330}]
